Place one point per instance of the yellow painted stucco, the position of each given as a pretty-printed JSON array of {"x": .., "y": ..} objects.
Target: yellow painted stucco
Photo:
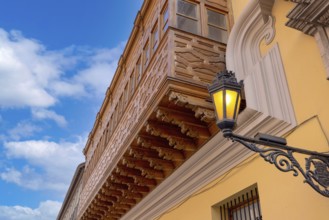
[
  {"x": 282, "y": 196},
  {"x": 304, "y": 68}
]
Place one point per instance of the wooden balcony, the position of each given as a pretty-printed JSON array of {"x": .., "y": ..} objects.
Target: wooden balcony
[{"x": 166, "y": 120}]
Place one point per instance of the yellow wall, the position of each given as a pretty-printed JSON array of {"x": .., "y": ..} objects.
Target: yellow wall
[
  {"x": 304, "y": 71},
  {"x": 286, "y": 199},
  {"x": 282, "y": 196}
]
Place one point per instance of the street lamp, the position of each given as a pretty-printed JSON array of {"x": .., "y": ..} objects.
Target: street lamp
[{"x": 226, "y": 95}]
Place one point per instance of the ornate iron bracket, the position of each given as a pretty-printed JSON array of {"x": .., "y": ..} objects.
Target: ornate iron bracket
[{"x": 316, "y": 171}]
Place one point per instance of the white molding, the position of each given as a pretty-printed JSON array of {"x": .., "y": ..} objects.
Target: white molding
[
  {"x": 264, "y": 77},
  {"x": 266, "y": 88},
  {"x": 254, "y": 24},
  {"x": 269, "y": 110}
]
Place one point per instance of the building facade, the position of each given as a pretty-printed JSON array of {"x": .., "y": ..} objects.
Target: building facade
[
  {"x": 155, "y": 151},
  {"x": 70, "y": 205}
]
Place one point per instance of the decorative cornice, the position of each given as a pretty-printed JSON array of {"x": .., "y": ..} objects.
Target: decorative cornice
[{"x": 308, "y": 15}]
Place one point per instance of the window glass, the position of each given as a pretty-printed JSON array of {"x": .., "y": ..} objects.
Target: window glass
[
  {"x": 146, "y": 55},
  {"x": 138, "y": 70},
  {"x": 217, "y": 19},
  {"x": 126, "y": 95},
  {"x": 132, "y": 83},
  {"x": 217, "y": 29},
  {"x": 187, "y": 19},
  {"x": 155, "y": 37},
  {"x": 188, "y": 25},
  {"x": 115, "y": 117},
  {"x": 165, "y": 18},
  {"x": 217, "y": 34},
  {"x": 244, "y": 205},
  {"x": 120, "y": 107},
  {"x": 247, "y": 211},
  {"x": 186, "y": 8}
]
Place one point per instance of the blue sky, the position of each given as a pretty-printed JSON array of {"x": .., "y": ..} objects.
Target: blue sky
[{"x": 57, "y": 58}]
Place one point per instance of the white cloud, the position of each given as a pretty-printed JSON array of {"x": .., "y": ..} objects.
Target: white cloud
[
  {"x": 47, "y": 210},
  {"x": 23, "y": 129},
  {"x": 11, "y": 175},
  {"x": 102, "y": 65},
  {"x": 97, "y": 78},
  {"x": 51, "y": 165},
  {"x": 32, "y": 76},
  {"x": 25, "y": 70},
  {"x": 42, "y": 114}
]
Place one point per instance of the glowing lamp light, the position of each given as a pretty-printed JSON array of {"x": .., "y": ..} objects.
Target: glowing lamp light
[{"x": 226, "y": 95}]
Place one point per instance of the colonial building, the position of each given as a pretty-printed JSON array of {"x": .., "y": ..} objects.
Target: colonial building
[
  {"x": 155, "y": 151},
  {"x": 70, "y": 205}
]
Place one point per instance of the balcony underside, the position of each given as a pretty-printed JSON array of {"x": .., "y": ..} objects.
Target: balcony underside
[{"x": 176, "y": 127}]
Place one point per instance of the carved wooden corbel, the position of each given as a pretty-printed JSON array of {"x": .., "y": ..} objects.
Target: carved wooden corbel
[
  {"x": 132, "y": 162},
  {"x": 152, "y": 173},
  {"x": 163, "y": 149},
  {"x": 204, "y": 114},
  {"x": 161, "y": 164},
  {"x": 111, "y": 192},
  {"x": 125, "y": 171},
  {"x": 188, "y": 124},
  {"x": 175, "y": 137},
  {"x": 116, "y": 186},
  {"x": 142, "y": 152},
  {"x": 187, "y": 101},
  {"x": 133, "y": 195},
  {"x": 117, "y": 178}
]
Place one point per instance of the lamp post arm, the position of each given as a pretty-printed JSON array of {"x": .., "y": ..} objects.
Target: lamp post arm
[
  {"x": 316, "y": 167},
  {"x": 280, "y": 146}
]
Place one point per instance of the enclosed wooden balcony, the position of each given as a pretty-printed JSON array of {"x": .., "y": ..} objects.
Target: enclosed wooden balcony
[{"x": 155, "y": 116}]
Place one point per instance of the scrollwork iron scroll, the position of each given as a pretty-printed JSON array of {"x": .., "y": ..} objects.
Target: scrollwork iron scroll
[{"x": 315, "y": 173}]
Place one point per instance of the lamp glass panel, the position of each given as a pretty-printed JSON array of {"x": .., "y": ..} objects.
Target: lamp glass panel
[
  {"x": 219, "y": 105},
  {"x": 231, "y": 102},
  {"x": 238, "y": 106}
]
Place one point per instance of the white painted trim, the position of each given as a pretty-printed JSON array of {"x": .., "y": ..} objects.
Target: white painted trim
[
  {"x": 264, "y": 77},
  {"x": 254, "y": 24}
]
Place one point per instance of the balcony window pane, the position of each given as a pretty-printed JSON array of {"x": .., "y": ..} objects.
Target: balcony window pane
[
  {"x": 138, "y": 71},
  {"x": 146, "y": 56},
  {"x": 165, "y": 18},
  {"x": 217, "y": 27},
  {"x": 187, "y": 24},
  {"x": 217, "y": 19},
  {"x": 217, "y": 34},
  {"x": 155, "y": 38},
  {"x": 132, "y": 83},
  {"x": 186, "y": 8}
]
